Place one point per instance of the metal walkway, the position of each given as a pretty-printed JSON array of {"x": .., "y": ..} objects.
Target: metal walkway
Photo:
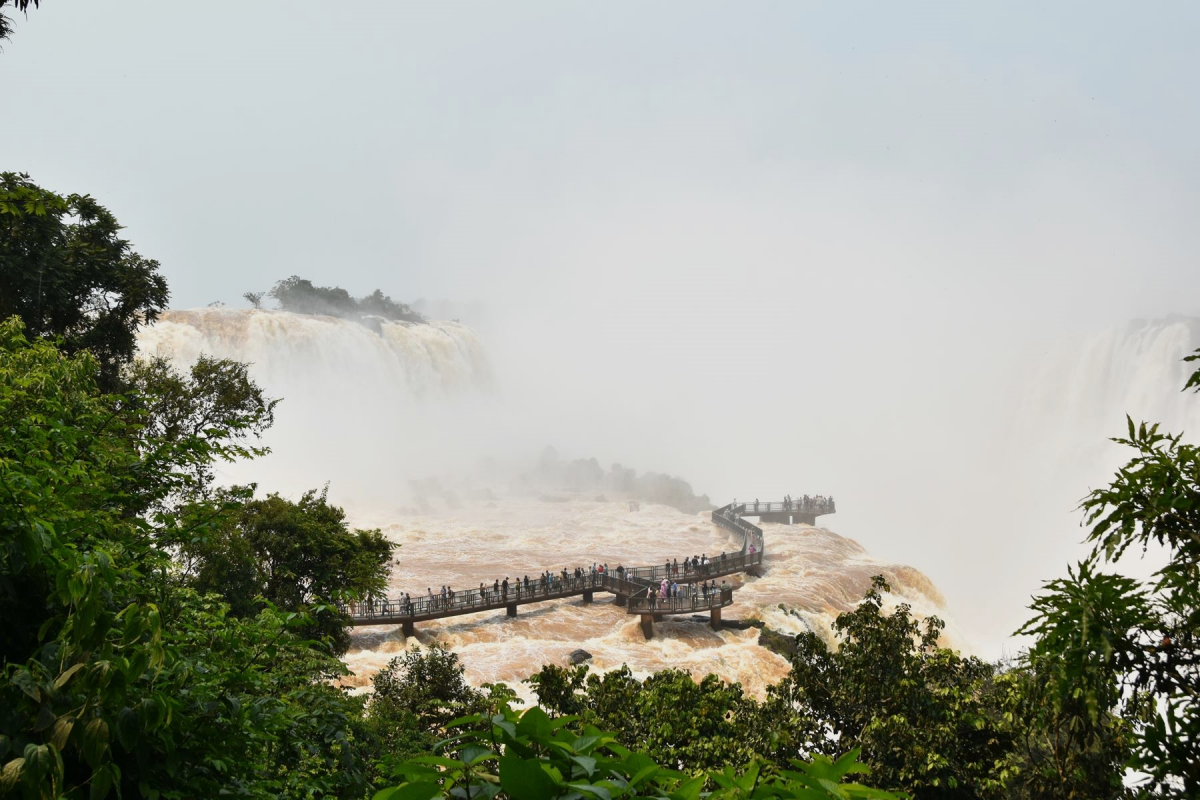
[{"x": 636, "y": 588}]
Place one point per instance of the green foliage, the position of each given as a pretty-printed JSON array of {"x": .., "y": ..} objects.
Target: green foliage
[
  {"x": 1059, "y": 748},
  {"x": 300, "y": 296},
  {"x": 920, "y": 713},
  {"x": 212, "y": 413},
  {"x": 1113, "y": 642},
  {"x": 292, "y": 555},
  {"x": 67, "y": 274},
  {"x": 670, "y": 716},
  {"x": 418, "y": 701},
  {"x": 529, "y": 756},
  {"x": 429, "y": 684},
  {"x": 115, "y": 679}
]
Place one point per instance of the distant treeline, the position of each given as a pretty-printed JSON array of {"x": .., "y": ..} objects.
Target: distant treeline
[
  {"x": 586, "y": 475},
  {"x": 300, "y": 296}
]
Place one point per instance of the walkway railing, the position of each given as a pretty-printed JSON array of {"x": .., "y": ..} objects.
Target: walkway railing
[
  {"x": 470, "y": 600},
  {"x": 634, "y": 583},
  {"x": 681, "y": 604},
  {"x": 817, "y": 507}
]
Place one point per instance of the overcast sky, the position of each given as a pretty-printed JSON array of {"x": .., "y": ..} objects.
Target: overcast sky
[{"x": 651, "y": 201}]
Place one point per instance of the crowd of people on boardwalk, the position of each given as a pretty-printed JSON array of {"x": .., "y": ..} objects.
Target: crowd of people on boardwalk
[
  {"x": 818, "y": 503},
  {"x": 548, "y": 584},
  {"x": 673, "y": 595},
  {"x": 664, "y": 582},
  {"x": 805, "y": 504}
]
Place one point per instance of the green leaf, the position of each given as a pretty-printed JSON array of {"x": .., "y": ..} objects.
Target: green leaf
[
  {"x": 472, "y": 754},
  {"x": 525, "y": 780},
  {"x": 66, "y": 676},
  {"x": 598, "y": 791},
  {"x": 587, "y": 762},
  {"x": 535, "y": 724},
  {"x": 689, "y": 790},
  {"x": 416, "y": 791}
]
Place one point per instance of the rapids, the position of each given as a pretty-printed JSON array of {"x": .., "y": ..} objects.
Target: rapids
[{"x": 811, "y": 572}]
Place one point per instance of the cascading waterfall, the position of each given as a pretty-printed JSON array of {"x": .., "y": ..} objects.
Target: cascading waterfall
[
  {"x": 1080, "y": 391},
  {"x": 361, "y": 401},
  {"x": 329, "y": 357}
]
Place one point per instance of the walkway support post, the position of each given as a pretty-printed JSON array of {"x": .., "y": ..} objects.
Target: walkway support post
[
  {"x": 621, "y": 600},
  {"x": 408, "y": 628},
  {"x": 715, "y": 618},
  {"x": 648, "y": 626},
  {"x": 587, "y": 597},
  {"x": 511, "y": 609}
]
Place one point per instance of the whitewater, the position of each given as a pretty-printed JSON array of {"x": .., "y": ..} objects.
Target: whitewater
[{"x": 391, "y": 412}]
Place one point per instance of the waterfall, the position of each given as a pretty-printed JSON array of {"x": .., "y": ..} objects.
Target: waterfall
[
  {"x": 363, "y": 404},
  {"x": 1081, "y": 389}
]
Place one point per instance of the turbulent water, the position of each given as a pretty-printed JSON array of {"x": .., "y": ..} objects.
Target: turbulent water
[
  {"x": 374, "y": 407},
  {"x": 812, "y": 572}
]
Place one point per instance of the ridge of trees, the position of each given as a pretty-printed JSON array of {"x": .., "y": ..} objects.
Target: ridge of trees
[{"x": 300, "y": 296}]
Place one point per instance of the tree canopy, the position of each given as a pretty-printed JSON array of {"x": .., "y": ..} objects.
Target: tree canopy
[
  {"x": 65, "y": 271},
  {"x": 300, "y": 296}
]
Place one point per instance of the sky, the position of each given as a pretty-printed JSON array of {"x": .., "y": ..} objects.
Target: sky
[{"x": 762, "y": 245}]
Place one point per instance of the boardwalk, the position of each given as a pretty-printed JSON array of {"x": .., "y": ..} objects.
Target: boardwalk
[{"x": 636, "y": 588}]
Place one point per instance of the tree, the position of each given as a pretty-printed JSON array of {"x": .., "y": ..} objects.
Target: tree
[
  {"x": 426, "y": 686},
  {"x": 419, "y": 699},
  {"x": 292, "y": 555},
  {"x": 1117, "y": 643},
  {"x": 213, "y": 412},
  {"x": 921, "y": 714},
  {"x": 1060, "y": 748},
  {"x": 65, "y": 271},
  {"x": 300, "y": 296},
  {"x": 255, "y": 298},
  {"x": 529, "y": 756},
  {"x": 381, "y": 305},
  {"x": 115, "y": 677},
  {"x": 670, "y": 716}
]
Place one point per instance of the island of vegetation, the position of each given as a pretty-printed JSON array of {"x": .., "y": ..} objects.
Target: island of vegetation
[
  {"x": 166, "y": 636},
  {"x": 299, "y": 296}
]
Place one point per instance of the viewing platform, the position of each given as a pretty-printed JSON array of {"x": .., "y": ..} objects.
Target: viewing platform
[
  {"x": 800, "y": 511},
  {"x": 638, "y": 589}
]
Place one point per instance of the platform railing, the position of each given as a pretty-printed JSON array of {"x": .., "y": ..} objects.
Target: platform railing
[
  {"x": 468, "y": 600},
  {"x": 783, "y": 507},
  {"x": 715, "y": 597},
  {"x": 635, "y": 583}
]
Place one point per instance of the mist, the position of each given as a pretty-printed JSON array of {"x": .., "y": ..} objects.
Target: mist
[{"x": 769, "y": 249}]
